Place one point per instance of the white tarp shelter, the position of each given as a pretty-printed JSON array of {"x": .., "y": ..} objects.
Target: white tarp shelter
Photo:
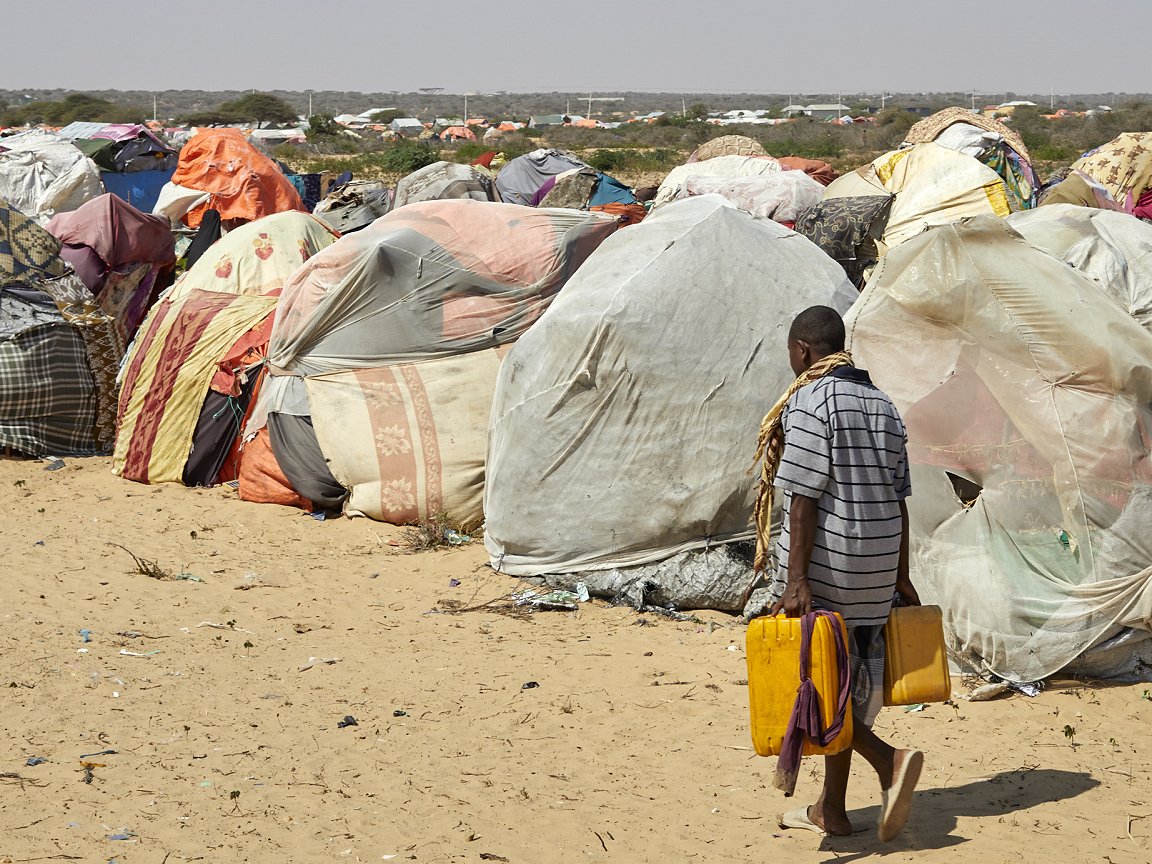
[
  {"x": 1027, "y": 397},
  {"x": 933, "y": 186},
  {"x": 625, "y": 420},
  {"x": 718, "y": 166},
  {"x": 1111, "y": 248},
  {"x": 42, "y": 174}
]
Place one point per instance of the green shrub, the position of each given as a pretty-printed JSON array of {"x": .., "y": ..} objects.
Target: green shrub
[
  {"x": 469, "y": 152},
  {"x": 631, "y": 159},
  {"x": 405, "y": 156}
]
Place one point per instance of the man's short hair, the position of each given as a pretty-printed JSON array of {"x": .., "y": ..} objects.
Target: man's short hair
[{"x": 819, "y": 326}]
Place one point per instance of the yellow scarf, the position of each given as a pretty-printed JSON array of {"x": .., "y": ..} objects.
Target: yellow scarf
[{"x": 770, "y": 447}]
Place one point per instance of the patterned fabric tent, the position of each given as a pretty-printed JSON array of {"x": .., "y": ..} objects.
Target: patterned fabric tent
[
  {"x": 931, "y": 185},
  {"x": 998, "y": 146},
  {"x": 197, "y": 364},
  {"x": 59, "y": 349},
  {"x": 1123, "y": 167},
  {"x": 386, "y": 348}
]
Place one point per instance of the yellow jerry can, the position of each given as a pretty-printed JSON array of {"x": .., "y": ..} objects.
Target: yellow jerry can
[
  {"x": 916, "y": 661},
  {"x": 773, "y": 652}
]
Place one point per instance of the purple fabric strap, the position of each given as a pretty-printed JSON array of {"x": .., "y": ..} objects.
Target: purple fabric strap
[{"x": 805, "y": 721}]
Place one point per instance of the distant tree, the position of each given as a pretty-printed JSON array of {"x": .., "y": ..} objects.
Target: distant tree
[
  {"x": 469, "y": 151},
  {"x": 697, "y": 111},
  {"x": 895, "y": 117},
  {"x": 386, "y": 117},
  {"x": 262, "y": 108},
  {"x": 211, "y": 117},
  {"x": 72, "y": 108},
  {"x": 323, "y": 125}
]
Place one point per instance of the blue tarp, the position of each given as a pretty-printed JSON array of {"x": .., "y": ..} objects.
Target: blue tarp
[
  {"x": 609, "y": 190},
  {"x": 138, "y": 188}
]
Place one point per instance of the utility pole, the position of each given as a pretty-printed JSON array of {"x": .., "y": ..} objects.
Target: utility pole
[
  {"x": 309, "y": 103},
  {"x": 153, "y": 107}
]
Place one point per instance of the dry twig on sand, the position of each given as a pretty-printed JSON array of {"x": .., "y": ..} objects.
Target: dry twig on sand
[
  {"x": 21, "y": 781},
  {"x": 145, "y": 567}
]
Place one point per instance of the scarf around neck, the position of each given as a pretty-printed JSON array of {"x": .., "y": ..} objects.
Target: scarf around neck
[{"x": 770, "y": 447}]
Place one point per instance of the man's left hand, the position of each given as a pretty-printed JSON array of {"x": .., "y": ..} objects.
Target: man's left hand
[{"x": 907, "y": 594}]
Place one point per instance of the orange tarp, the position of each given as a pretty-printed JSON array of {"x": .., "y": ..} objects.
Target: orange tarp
[{"x": 243, "y": 182}]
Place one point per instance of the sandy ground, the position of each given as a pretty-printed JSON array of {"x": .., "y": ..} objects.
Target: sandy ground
[{"x": 632, "y": 747}]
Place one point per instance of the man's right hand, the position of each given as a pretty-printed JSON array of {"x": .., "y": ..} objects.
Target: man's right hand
[{"x": 795, "y": 601}]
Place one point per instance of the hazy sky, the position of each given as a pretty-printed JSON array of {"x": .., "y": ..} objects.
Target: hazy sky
[{"x": 1025, "y": 46}]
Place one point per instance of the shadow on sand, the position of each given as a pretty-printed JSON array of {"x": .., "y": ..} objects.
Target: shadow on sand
[{"x": 935, "y": 811}]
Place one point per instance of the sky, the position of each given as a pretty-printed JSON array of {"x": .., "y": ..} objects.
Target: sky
[{"x": 758, "y": 46}]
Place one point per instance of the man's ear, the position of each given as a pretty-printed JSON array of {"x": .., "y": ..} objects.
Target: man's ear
[{"x": 805, "y": 351}]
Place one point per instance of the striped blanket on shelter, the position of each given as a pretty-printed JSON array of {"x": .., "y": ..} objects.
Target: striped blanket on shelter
[{"x": 168, "y": 374}]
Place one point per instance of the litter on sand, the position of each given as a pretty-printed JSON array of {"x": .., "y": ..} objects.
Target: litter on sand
[
  {"x": 313, "y": 661},
  {"x": 558, "y": 599}
]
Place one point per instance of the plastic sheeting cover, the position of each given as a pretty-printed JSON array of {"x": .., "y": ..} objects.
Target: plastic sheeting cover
[
  {"x": 1015, "y": 375},
  {"x": 625, "y": 420},
  {"x": 518, "y": 181},
  {"x": 718, "y": 166},
  {"x": 442, "y": 180},
  {"x": 433, "y": 279},
  {"x": 779, "y": 196},
  {"x": 933, "y": 186},
  {"x": 239, "y": 181},
  {"x": 42, "y": 174},
  {"x": 1112, "y": 249}
]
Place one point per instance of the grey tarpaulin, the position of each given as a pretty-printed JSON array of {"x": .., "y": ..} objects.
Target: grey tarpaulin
[
  {"x": 518, "y": 181},
  {"x": 716, "y": 578},
  {"x": 1112, "y": 249},
  {"x": 442, "y": 180},
  {"x": 625, "y": 421}
]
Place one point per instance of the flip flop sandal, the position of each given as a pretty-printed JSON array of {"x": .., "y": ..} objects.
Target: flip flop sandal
[
  {"x": 798, "y": 818},
  {"x": 897, "y": 801}
]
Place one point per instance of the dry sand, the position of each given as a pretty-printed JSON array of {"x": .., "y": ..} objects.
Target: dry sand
[{"x": 632, "y": 748}]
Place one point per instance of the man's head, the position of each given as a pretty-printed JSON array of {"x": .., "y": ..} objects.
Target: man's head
[{"x": 815, "y": 333}]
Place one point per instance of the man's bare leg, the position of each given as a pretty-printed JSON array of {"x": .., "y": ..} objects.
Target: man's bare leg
[{"x": 829, "y": 810}]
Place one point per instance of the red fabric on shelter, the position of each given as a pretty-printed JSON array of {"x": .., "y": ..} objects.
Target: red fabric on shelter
[
  {"x": 821, "y": 172},
  {"x": 116, "y": 231},
  {"x": 249, "y": 349}
]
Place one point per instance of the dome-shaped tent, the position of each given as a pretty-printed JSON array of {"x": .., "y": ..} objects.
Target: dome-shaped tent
[
  {"x": 625, "y": 421},
  {"x": 1026, "y": 396},
  {"x": 386, "y": 346}
]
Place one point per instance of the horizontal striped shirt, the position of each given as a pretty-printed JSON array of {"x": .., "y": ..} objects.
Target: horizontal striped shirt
[{"x": 845, "y": 445}]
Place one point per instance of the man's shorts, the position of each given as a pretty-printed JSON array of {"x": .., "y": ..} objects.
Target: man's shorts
[{"x": 866, "y": 666}]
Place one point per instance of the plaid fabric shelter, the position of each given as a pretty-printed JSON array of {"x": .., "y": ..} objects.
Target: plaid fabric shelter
[{"x": 47, "y": 392}]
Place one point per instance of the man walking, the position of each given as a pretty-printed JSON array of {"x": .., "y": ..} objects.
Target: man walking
[{"x": 836, "y": 446}]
